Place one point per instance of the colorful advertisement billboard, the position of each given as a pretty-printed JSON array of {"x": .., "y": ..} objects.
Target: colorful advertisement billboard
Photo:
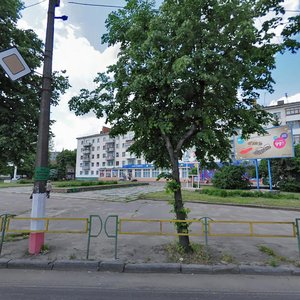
[{"x": 276, "y": 143}]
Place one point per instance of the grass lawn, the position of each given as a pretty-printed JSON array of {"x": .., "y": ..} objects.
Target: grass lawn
[{"x": 286, "y": 200}]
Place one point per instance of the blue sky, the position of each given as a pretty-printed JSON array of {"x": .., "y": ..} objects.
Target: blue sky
[{"x": 78, "y": 49}]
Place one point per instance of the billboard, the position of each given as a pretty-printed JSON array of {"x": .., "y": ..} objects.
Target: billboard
[{"x": 276, "y": 143}]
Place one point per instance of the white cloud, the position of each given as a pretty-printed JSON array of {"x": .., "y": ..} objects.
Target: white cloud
[{"x": 82, "y": 62}]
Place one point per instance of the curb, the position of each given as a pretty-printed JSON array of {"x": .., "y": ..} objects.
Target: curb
[{"x": 169, "y": 268}]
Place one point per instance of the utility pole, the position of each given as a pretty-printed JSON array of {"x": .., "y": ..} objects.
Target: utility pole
[{"x": 36, "y": 238}]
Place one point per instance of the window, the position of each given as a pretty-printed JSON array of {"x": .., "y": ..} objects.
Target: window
[
  {"x": 93, "y": 156},
  {"x": 93, "y": 141},
  {"x": 184, "y": 173},
  {"x": 97, "y": 164},
  {"x": 123, "y": 154},
  {"x": 292, "y": 111},
  {"x": 103, "y": 164},
  {"x": 92, "y": 172},
  {"x": 93, "y": 148},
  {"x": 81, "y": 142},
  {"x": 92, "y": 164},
  {"x": 296, "y": 139},
  {"x": 80, "y": 172},
  {"x": 123, "y": 145},
  {"x": 146, "y": 173},
  {"x": 117, "y": 146},
  {"x": 97, "y": 172},
  {"x": 104, "y": 155},
  {"x": 98, "y": 155},
  {"x": 86, "y": 172},
  {"x": 98, "y": 148},
  {"x": 123, "y": 163},
  {"x": 117, "y": 163},
  {"x": 138, "y": 173},
  {"x": 104, "y": 147},
  {"x": 277, "y": 115},
  {"x": 81, "y": 157},
  {"x": 98, "y": 140},
  {"x": 104, "y": 139},
  {"x": 117, "y": 154},
  {"x": 294, "y": 124},
  {"x": 110, "y": 163},
  {"x": 139, "y": 161},
  {"x": 80, "y": 164},
  {"x": 155, "y": 173}
]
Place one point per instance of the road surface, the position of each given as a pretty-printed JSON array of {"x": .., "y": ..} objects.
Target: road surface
[{"x": 46, "y": 285}]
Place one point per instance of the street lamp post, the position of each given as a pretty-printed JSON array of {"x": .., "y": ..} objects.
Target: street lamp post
[{"x": 36, "y": 238}]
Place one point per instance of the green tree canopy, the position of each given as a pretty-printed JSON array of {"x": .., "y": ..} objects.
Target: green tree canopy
[
  {"x": 20, "y": 100},
  {"x": 179, "y": 71},
  {"x": 282, "y": 169},
  {"x": 64, "y": 160}
]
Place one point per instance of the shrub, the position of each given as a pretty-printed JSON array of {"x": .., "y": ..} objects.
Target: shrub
[
  {"x": 251, "y": 194},
  {"x": 25, "y": 181},
  {"x": 289, "y": 185},
  {"x": 231, "y": 177},
  {"x": 83, "y": 183}
]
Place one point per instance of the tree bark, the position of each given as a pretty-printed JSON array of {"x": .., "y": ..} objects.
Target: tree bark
[{"x": 180, "y": 212}]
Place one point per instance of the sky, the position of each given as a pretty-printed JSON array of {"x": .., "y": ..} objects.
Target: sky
[{"x": 78, "y": 50}]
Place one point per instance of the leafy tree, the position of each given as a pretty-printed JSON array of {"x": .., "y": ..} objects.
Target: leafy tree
[
  {"x": 20, "y": 100},
  {"x": 284, "y": 170},
  {"x": 65, "y": 159},
  {"x": 231, "y": 177},
  {"x": 176, "y": 81}
]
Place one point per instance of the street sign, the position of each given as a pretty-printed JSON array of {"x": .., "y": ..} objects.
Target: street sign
[{"x": 13, "y": 63}]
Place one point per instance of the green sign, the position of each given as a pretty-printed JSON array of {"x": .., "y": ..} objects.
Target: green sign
[{"x": 41, "y": 173}]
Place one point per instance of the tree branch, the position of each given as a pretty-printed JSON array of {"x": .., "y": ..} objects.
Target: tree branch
[{"x": 187, "y": 135}]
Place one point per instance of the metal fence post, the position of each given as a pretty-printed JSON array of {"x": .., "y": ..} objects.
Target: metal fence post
[
  {"x": 205, "y": 231},
  {"x": 4, "y": 218},
  {"x": 90, "y": 232},
  {"x": 115, "y": 236},
  {"x": 298, "y": 233}
]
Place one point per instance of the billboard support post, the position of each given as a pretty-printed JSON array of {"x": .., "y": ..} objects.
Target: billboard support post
[
  {"x": 257, "y": 175},
  {"x": 270, "y": 174}
]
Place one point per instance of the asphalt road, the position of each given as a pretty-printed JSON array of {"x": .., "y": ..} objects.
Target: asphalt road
[{"x": 46, "y": 285}]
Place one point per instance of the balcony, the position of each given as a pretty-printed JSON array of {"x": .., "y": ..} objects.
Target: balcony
[
  {"x": 110, "y": 156},
  {"x": 86, "y": 167},
  {"x": 86, "y": 158},
  {"x": 86, "y": 149}
]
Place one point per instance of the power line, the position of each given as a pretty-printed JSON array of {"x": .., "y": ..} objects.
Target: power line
[
  {"x": 34, "y": 4},
  {"x": 91, "y": 4}
]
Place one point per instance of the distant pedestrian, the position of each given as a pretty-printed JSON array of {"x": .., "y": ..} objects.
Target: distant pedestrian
[{"x": 48, "y": 188}]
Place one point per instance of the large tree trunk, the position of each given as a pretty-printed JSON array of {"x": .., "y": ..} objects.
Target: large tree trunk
[{"x": 180, "y": 212}]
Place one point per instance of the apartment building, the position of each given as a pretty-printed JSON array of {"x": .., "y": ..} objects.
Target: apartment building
[
  {"x": 100, "y": 156},
  {"x": 288, "y": 113}
]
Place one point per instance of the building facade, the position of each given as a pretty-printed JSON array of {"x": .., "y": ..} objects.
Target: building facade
[
  {"x": 101, "y": 157},
  {"x": 287, "y": 113}
]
